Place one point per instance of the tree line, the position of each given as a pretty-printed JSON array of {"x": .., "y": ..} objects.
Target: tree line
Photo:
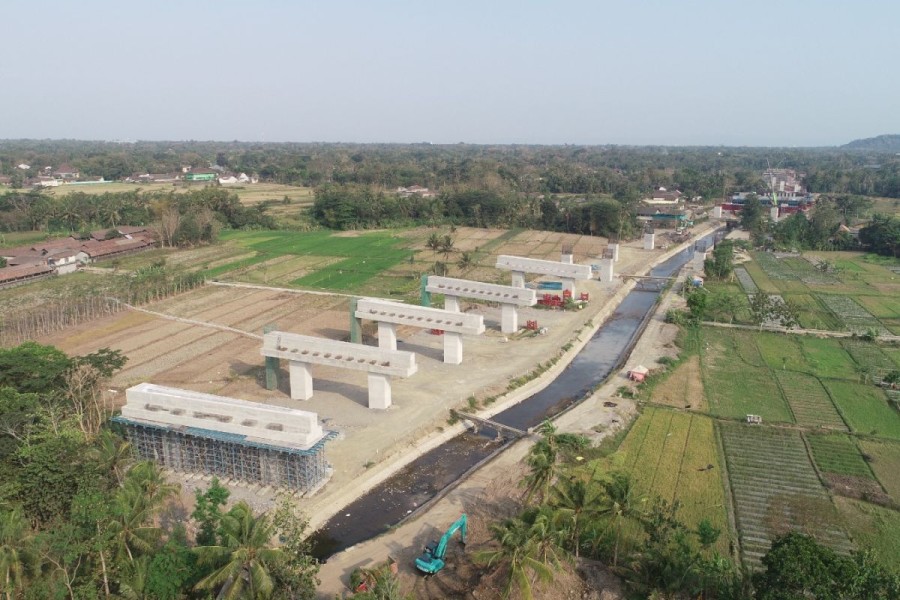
[
  {"x": 360, "y": 207},
  {"x": 186, "y": 218},
  {"x": 81, "y": 519},
  {"x": 710, "y": 172}
]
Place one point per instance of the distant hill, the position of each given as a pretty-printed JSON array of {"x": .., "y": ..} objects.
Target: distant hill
[{"x": 881, "y": 143}]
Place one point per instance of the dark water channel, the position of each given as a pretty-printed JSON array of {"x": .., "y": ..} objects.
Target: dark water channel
[{"x": 401, "y": 494}]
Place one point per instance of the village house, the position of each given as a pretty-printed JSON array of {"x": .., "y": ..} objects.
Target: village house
[
  {"x": 415, "y": 190},
  {"x": 664, "y": 197},
  {"x": 66, "y": 172}
]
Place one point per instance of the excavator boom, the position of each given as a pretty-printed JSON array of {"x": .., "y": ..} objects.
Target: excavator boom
[{"x": 432, "y": 560}]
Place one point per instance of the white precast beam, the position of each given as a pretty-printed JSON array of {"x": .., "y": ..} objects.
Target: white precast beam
[
  {"x": 543, "y": 267},
  {"x": 419, "y": 316},
  {"x": 477, "y": 290},
  {"x": 320, "y": 351},
  {"x": 264, "y": 423}
]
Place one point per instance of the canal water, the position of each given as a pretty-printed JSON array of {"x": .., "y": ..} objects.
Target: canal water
[{"x": 415, "y": 484}]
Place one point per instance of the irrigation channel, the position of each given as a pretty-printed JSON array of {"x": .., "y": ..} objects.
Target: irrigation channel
[{"x": 421, "y": 480}]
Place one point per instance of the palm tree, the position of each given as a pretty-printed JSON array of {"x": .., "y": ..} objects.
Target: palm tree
[
  {"x": 466, "y": 261},
  {"x": 113, "y": 454},
  {"x": 146, "y": 479},
  {"x": 17, "y": 561},
  {"x": 542, "y": 459},
  {"x": 440, "y": 268},
  {"x": 129, "y": 526},
  {"x": 623, "y": 505},
  {"x": 446, "y": 246},
  {"x": 575, "y": 499},
  {"x": 244, "y": 560},
  {"x": 134, "y": 585},
  {"x": 433, "y": 242},
  {"x": 519, "y": 553}
]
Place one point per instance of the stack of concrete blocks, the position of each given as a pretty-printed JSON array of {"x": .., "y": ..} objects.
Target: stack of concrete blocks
[
  {"x": 566, "y": 272},
  {"x": 509, "y": 298},
  {"x": 390, "y": 314},
  {"x": 649, "y": 241},
  {"x": 303, "y": 351}
]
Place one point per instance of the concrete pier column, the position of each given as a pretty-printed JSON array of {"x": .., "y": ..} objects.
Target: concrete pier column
[
  {"x": 717, "y": 212},
  {"x": 606, "y": 270},
  {"x": 379, "y": 390},
  {"x": 301, "y": 380},
  {"x": 451, "y": 303},
  {"x": 387, "y": 336},
  {"x": 773, "y": 214},
  {"x": 518, "y": 279},
  {"x": 649, "y": 241},
  {"x": 453, "y": 348},
  {"x": 699, "y": 259},
  {"x": 614, "y": 248},
  {"x": 568, "y": 259},
  {"x": 568, "y": 284},
  {"x": 509, "y": 318}
]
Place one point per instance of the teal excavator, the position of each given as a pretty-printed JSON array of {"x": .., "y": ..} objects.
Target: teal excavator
[{"x": 432, "y": 560}]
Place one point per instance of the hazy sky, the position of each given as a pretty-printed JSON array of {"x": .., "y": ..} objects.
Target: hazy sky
[{"x": 749, "y": 72}]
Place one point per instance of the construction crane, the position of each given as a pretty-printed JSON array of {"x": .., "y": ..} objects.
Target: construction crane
[{"x": 432, "y": 560}]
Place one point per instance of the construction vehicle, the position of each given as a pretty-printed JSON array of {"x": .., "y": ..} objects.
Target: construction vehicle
[{"x": 432, "y": 560}]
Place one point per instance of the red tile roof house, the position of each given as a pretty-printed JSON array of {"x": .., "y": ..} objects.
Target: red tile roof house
[
  {"x": 10, "y": 276},
  {"x": 106, "y": 249},
  {"x": 66, "y": 172}
]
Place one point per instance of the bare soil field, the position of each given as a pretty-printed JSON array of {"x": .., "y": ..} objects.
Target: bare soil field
[{"x": 683, "y": 388}]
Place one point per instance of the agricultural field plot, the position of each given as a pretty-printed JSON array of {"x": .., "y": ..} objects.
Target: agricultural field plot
[
  {"x": 682, "y": 388},
  {"x": 358, "y": 258},
  {"x": 746, "y": 280},
  {"x": 807, "y": 272},
  {"x": 872, "y": 361},
  {"x": 813, "y": 314},
  {"x": 776, "y": 489},
  {"x": 865, "y": 407},
  {"x": 672, "y": 455},
  {"x": 737, "y": 380},
  {"x": 854, "y": 317},
  {"x": 885, "y": 308},
  {"x": 774, "y": 268},
  {"x": 838, "y": 454},
  {"x": 875, "y": 527},
  {"x": 884, "y": 460},
  {"x": 809, "y": 401},
  {"x": 761, "y": 279},
  {"x": 826, "y": 357}
]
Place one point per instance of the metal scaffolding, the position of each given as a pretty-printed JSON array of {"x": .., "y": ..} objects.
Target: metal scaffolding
[{"x": 229, "y": 455}]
